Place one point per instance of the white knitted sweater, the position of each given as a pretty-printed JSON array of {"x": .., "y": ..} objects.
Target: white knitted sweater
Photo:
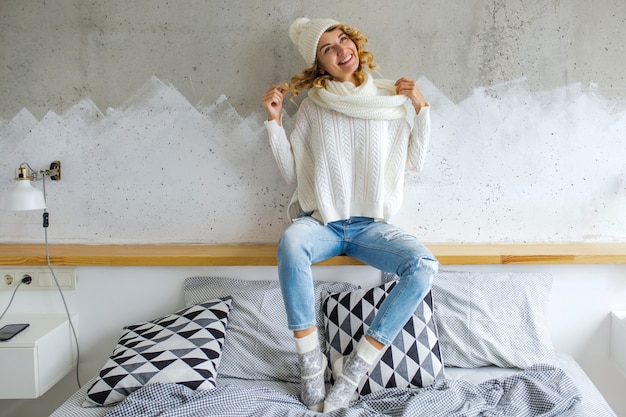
[{"x": 345, "y": 166}]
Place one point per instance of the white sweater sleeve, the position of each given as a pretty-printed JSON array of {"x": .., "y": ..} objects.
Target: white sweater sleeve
[
  {"x": 281, "y": 148},
  {"x": 420, "y": 138}
]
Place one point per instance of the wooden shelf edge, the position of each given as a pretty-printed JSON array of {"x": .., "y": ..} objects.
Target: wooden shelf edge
[{"x": 265, "y": 254}]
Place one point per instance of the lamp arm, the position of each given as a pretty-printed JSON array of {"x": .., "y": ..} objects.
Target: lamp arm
[{"x": 25, "y": 171}]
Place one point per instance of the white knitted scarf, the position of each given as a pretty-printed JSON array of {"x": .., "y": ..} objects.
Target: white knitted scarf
[{"x": 364, "y": 102}]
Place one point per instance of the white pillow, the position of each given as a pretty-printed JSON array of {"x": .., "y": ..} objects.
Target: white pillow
[
  {"x": 258, "y": 343},
  {"x": 493, "y": 318}
]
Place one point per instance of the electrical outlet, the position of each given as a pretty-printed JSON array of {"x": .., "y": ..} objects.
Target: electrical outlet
[
  {"x": 8, "y": 279},
  {"x": 27, "y": 278},
  {"x": 41, "y": 278}
]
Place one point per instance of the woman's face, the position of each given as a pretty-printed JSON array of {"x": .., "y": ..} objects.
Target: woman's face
[{"x": 337, "y": 55}]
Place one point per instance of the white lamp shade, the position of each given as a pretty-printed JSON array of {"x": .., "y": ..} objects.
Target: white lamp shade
[{"x": 22, "y": 196}]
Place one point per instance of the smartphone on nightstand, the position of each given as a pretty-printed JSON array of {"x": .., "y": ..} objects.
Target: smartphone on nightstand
[{"x": 10, "y": 330}]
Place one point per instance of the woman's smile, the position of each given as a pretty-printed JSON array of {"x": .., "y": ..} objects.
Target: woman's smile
[{"x": 346, "y": 59}]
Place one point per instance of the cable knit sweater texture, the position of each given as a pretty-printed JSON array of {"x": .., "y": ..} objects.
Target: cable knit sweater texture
[{"x": 346, "y": 166}]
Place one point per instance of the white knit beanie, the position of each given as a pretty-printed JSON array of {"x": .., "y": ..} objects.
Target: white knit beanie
[{"x": 306, "y": 33}]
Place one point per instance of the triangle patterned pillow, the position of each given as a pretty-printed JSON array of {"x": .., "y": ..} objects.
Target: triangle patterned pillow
[
  {"x": 413, "y": 359},
  {"x": 184, "y": 348}
]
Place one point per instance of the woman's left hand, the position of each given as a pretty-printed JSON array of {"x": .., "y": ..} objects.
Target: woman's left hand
[{"x": 409, "y": 88}]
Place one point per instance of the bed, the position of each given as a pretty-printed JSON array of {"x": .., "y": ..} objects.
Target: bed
[{"x": 478, "y": 345}]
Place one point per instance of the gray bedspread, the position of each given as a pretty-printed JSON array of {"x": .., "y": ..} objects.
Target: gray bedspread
[{"x": 541, "y": 390}]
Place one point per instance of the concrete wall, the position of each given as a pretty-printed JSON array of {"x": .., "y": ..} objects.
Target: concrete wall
[
  {"x": 56, "y": 53},
  {"x": 154, "y": 109}
]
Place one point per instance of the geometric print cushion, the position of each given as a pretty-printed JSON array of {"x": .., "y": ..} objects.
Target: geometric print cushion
[
  {"x": 413, "y": 359},
  {"x": 183, "y": 347}
]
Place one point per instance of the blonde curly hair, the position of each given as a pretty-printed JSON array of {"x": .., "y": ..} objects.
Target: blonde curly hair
[{"x": 311, "y": 77}]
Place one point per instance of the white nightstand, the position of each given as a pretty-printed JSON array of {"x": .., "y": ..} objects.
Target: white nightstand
[{"x": 37, "y": 358}]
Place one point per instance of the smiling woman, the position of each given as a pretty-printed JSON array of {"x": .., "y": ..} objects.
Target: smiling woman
[{"x": 353, "y": 140}]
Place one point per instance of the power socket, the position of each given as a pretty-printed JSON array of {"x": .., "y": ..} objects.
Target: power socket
[
  {"x": 26, "y": 279},
  {"x": 8, "y": 279},
  {"x": 41, "y": 278}
]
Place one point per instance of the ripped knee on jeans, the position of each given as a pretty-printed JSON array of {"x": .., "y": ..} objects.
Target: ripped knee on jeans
[
  {"x": 424, "y": 267},
  {"x": 431, "y": 264}
]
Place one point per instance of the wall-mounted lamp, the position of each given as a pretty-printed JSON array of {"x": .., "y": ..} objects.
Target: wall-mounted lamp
[{"x": 23, "y": 196}]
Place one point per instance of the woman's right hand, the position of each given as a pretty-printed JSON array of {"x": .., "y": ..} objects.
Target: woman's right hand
[{"x": 273, "y": 101}]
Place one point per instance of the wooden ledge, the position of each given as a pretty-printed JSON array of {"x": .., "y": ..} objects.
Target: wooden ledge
[{"x": 265, "y": 255}]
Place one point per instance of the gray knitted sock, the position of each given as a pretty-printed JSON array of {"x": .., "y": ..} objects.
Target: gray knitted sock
[
  {"x": 312, "y": 363},
  {"x": 356, "y": 365},
  {"x": 313, "y": 387}
]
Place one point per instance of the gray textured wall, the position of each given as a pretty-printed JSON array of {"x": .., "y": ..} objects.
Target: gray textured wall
[
  {"x": 55, "y": 53},
  {"x": 154, "y": 109}
]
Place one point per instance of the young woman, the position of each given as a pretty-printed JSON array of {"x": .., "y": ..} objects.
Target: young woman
[{"x": 353, "y": 139}]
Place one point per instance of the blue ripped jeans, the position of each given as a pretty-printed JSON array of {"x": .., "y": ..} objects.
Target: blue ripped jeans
[{"x": 381, "y": 245}]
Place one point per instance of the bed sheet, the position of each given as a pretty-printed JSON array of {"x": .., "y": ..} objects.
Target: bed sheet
[{"x": 592, "y": 404}]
